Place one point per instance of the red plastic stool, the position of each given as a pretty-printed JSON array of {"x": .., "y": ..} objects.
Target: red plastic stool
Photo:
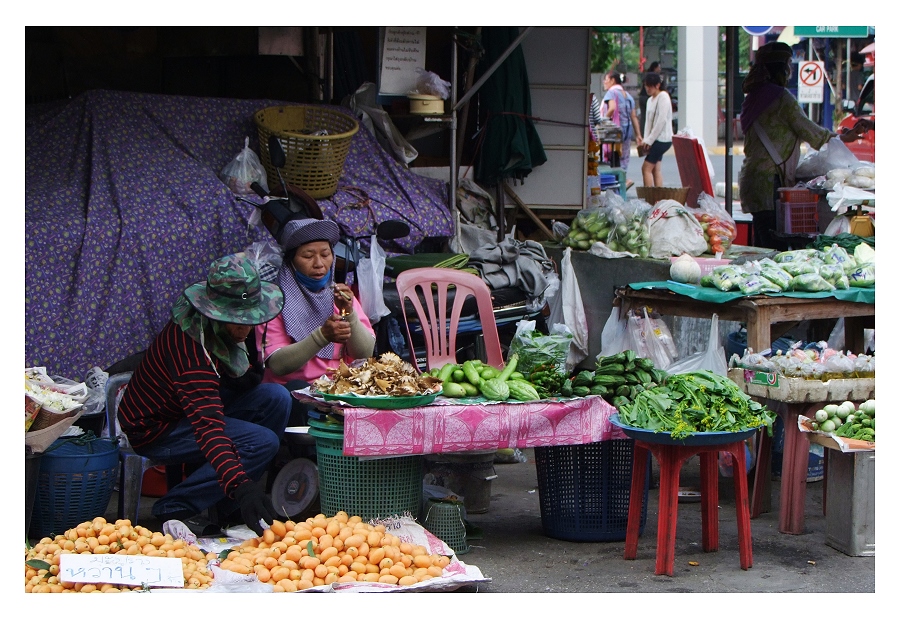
[{"x": 670, "y": 459}]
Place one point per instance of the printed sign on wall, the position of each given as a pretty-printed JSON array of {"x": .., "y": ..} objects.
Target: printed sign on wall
[{"x": 403, "y": 51}]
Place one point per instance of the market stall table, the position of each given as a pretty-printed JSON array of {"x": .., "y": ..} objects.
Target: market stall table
[
  {"x": 761, "y": 313},
  {"x": 458, "y": 425}
]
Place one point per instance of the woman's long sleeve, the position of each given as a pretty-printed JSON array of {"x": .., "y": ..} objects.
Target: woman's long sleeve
[{"x": 361, "y": 343}]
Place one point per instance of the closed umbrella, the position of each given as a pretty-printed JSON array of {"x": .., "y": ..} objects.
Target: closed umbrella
[{"x": 510, "y": 146}]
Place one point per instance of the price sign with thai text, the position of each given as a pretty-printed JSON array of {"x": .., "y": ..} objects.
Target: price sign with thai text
[{"x": 121, "y": 570}]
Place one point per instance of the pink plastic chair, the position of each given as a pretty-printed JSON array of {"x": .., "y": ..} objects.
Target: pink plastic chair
[{"x": 439, "y": 328}]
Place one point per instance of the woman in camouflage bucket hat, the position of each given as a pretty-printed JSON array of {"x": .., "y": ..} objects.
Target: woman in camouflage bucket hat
[{"x": 195, "y": 399}]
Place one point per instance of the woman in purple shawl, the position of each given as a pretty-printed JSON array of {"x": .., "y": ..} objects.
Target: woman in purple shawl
[{"x": 774, "y": 125}]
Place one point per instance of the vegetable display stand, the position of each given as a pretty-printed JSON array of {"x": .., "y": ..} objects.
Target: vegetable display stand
[
  {"x": 850, "y": 507},
  {"x": 670, "y": 458},
  {"x": 585, "y": 489}
]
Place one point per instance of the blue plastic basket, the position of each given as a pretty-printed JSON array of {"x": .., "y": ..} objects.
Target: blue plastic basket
[
  {"x": 74, "y": 485},
  {"x": 585, "y": 489}
]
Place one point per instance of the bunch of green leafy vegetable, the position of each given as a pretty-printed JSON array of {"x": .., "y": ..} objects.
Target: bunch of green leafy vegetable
[
  {"x": 695, "y": 402},
  {"x": 538, "y": 351}
]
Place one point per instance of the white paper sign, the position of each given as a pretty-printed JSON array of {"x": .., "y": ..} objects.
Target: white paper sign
[
  {"x": 402, "y": 53},
  {"x": 121, "y": 570}
]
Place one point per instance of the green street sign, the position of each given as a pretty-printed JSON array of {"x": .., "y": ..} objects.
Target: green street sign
[{"x": 832, "y": 32}]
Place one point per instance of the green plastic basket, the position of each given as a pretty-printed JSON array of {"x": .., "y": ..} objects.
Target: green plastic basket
[
  {"x": 445, "y": 520},
  {"x": 366, "y": 488}
]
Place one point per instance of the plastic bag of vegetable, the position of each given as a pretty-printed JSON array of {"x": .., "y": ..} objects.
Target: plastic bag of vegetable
[
  {"x": 798, "y": 268},
  {"x": 756, "y": 284},
  {"x": 719, "y": 228},
  {"x": 629, "y": 231},
  {"x": 589, "y": 226},
  {"x": 863, "y": 276},
  {"x": 673, "y": 230},
  {"x": 798, "y": 255},
  {"x": 811, "y": 281},
  {"x": 726, "y": 278},
  {"x": 834, "y": 274},
  {"x": 536, "y": 348},
  {"x": 778, "y": 276}
]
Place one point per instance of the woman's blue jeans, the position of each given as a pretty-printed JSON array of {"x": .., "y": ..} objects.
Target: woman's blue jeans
[{"x": 254, "y": 420}]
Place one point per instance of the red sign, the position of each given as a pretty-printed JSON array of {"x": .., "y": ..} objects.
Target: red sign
[{"x": 811, "y": 73}]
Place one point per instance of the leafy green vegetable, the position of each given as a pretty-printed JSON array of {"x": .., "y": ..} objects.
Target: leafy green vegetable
[{"x": 696, "y": 402}]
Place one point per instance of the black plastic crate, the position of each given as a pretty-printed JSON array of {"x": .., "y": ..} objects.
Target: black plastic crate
[{"x": 585, "y": 489}]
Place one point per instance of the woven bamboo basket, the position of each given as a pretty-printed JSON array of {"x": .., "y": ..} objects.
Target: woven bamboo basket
[
  {"x": 313, "y": 162},
  {"x": 653, "y": 194}
]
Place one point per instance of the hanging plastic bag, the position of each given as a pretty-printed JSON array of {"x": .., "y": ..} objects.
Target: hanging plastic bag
[
  {"x": 713, "y": 359},
  {"x": 567, "y": 308},
  {"x": 649, "y": 338},
  {"x": 243, "y": 170},
  {"x": 614, "y": 336},
  {"x": 370, "y": 276}
]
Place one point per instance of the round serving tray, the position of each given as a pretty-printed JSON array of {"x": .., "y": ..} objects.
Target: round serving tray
[
  {"x": 382, "y": 402},
  {"x": 711, "y": 438}
]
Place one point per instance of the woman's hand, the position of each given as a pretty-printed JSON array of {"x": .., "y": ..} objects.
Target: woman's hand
[
  {"x": 343, "y": 298},
  {"x": 336, "y": 329}
]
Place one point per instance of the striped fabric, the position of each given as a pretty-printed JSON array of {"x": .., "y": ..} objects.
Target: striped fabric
[{"x": 174, "y": 380}]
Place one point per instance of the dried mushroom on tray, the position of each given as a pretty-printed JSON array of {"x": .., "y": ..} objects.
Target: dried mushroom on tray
[{"x": 387, "y": 375}]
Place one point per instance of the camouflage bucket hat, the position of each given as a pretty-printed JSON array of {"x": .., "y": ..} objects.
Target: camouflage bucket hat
[{"x": 234, "y": 293}]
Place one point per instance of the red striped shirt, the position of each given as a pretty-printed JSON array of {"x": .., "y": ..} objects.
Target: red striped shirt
[{"x": 175, "y": 380}]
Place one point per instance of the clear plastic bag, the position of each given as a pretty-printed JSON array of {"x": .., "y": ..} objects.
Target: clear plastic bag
[
  {"x": 370, "y": 277},
  {"x": 536, "y": 348},
  {"x": 719, "y": 228},
  {"x": 713, "y": 359},
  {"x": 650, "y": 338},
  {"x": 243, "y": 170}
]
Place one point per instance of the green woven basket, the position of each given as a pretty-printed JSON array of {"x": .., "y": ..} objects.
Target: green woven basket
[
  {"x": 445, "y": 520},
  {"x": 366, "y": 488}
]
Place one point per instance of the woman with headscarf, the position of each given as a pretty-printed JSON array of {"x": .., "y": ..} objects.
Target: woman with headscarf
[
  {"x": 774, "y": 125},
  {"x": 322, "y": 322}
]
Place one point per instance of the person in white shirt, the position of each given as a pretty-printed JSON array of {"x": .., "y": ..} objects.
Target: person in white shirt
[{"x": 657, "y": 130}]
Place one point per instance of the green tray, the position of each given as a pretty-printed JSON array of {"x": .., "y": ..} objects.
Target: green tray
[{"x": 383, "y": 402}]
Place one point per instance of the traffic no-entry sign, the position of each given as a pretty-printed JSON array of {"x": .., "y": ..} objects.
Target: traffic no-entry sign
[
  {"x": 810, "y": 81},
  {"x": 757, "y": 30}
]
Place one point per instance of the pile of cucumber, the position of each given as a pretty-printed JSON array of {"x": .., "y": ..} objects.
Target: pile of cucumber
[
  {"x": 474, "y": 378},
  {"x": 617, "y": 378}
]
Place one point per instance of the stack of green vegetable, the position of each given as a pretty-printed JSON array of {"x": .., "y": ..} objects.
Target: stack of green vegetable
[
  {"x": 846, "y": 420},
  {"x": 474, "y": 378},
  {"x": 617, "y": 378},
  {"x": 588, "y": 227},
  {"x": 696, "y": 402}
]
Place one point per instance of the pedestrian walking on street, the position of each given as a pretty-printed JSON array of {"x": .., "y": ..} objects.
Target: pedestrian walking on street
[{"x": 658, "y": 132}]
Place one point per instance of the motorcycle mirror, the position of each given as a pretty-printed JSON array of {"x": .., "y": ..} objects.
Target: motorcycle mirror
[
  {"x": 391, "y": 230},
  {"x": 276, "y": 152}
]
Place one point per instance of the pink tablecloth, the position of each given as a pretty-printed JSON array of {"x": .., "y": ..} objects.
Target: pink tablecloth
[{"x": 445, "y": 426}]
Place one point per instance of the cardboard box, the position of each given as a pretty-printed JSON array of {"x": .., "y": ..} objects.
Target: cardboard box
[{"x": 796, "y": 390}]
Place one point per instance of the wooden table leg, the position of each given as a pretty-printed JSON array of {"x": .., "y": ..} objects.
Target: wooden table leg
[
  {"x": 709, "y": 500},
  {"x": 759, "y": 329},
  {"x": 854, "y": 334},
  {"x": 794, "y": 471},
  {"x": 636, "y": 499}
]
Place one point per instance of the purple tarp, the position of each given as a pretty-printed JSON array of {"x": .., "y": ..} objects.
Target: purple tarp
[{"x": 124, "y": 209}]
